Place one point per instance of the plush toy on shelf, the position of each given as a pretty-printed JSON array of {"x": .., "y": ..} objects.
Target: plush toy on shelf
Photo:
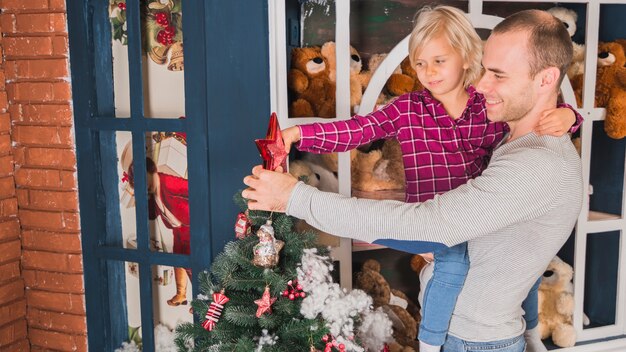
[
  {"x": 402, "y": 312},
  {"x": 611, "y": 90},
  {"x": 308, "y": 79},
  {"x": 329, "y": 52},
  {"x": 404, "y": 82},
  {"x": 556, "y": 304}
]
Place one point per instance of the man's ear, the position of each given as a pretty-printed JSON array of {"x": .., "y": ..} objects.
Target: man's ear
[{"x": 550, "y": 77}]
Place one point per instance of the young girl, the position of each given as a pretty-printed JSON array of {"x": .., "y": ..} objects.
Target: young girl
[{"x": 446, "y": 139}]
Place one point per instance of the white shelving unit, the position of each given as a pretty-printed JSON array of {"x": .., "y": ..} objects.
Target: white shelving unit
[{"x": 606, "y": 338}]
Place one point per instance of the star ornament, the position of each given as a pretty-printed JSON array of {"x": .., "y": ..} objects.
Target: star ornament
[
  {"x": 265, "y": 303},
  {"x": 272, "y": 148}
]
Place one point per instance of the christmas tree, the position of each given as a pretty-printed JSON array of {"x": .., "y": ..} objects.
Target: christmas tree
[{"x": 278, "y": 297}]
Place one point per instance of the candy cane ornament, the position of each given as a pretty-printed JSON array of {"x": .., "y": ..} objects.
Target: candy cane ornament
[{"x": 215, "y": 310}]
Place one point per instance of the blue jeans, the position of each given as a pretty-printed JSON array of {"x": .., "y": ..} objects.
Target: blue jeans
[
  {"x": 454, "y": 344},
  {"x": 449, "y": 273},
  {"x": 443, "y": 289}
]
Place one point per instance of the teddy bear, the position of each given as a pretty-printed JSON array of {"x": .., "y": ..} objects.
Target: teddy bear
[
  {"x": 403, "y": 313},
  {"x": 376, "y": 170},
  {"x": 375, "y": 60},
  {"x": 569, "y": 18},
  {"x": 314, "y": 175},
  {"x": 556, "y": 304},
  {"x": 309, "y": 80},
  {"x": 404, "y": 82},
  {"x": 613, "y": 79},
  {"x": 357, "y": 77}
]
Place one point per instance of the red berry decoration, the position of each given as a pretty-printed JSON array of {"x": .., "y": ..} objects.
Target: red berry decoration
[
  {"x": 122, "y": 6},
  {"x": 294, "y": 290}
]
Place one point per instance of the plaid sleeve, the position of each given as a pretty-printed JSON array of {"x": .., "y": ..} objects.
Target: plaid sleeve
[
  {"x": 579, "y": 117},
  {"x": 340, "y": 136}
]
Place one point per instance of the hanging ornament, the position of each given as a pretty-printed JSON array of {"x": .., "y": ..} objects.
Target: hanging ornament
[
  {"x": 265, "y": 303},
  {"x": 266, "y": 251},
  {"x": 331, "y": 342},
  {"x": 272, "y": 148},
  {"x": 243, "y": 228},
  {"x": 294, "y": 290},
  {"x": 215, "y": 310}
]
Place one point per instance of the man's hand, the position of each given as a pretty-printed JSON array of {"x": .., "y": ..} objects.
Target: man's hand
[
  {"x": 268, "y": 190},
  {"x": 555, "y": 122},
  {"x": 290, "y": 135}
]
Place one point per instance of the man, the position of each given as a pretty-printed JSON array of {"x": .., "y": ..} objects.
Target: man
[{"x": 526, "y": 201}]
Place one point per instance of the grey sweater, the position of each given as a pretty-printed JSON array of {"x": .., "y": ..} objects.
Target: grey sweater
[{"x": 515, "y": 217}]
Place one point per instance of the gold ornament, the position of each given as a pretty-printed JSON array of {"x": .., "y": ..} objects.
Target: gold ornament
[{"x": 266, "y": 251}]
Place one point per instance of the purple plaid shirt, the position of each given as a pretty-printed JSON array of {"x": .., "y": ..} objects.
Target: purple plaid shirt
[{"x": 439, "y": 153}]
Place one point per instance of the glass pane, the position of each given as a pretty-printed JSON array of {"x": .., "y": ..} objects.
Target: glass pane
[
  {"x": 126, "y": 189},
  {"x": 172, "y": 295},
  {"x": 606, "y": 174},
  {"x": 168, "y": 191},
  {"x": 162, "y": 58},
  {"x": 601, "y": 278}
]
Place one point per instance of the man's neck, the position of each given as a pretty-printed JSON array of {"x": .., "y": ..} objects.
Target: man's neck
[{"x": 527, "y": 124}]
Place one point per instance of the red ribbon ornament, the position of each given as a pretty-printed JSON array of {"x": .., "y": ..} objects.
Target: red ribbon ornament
[{"x": 215, "y": 310}]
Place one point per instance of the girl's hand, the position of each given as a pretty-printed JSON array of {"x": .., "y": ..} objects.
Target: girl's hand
[
  {"x": 290, "y": 135},
  {"x": 555, "y": 122}
]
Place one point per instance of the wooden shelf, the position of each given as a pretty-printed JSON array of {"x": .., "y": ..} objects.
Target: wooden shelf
[{"x": 599, "y": 216}]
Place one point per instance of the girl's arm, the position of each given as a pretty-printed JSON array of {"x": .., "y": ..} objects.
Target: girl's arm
[{"x": 557, "y": 122}]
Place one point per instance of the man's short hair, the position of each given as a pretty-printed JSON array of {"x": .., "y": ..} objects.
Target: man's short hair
[{"x": 549, "y": 43}]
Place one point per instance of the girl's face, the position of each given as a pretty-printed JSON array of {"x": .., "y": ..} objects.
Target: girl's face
[{"x": 440, "y": 68}]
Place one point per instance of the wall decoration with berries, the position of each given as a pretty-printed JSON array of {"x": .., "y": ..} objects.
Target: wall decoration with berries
[{"x": 162, "y": 30}]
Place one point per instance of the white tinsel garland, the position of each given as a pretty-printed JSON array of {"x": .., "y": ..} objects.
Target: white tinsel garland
[
  {"x": 340, "y": 309},
  {"x": 266, "y": 339}
]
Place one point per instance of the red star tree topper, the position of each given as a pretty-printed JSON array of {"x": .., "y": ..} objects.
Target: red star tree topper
[{"x": 272, "y": 148}]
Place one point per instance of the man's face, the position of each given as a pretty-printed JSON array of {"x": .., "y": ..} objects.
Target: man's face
[{"x": 506, "y": 84}]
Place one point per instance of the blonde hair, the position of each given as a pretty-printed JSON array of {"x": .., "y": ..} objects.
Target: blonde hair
[{"x": 452, "y": 23}]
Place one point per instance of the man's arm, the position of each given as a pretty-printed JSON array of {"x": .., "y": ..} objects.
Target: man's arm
[{"x": 515, "y": 187}]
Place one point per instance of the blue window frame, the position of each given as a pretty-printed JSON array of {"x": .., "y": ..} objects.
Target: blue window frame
[{"x": 227, "y": 106}]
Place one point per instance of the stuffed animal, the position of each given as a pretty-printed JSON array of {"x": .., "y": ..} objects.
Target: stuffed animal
[
  {"x": 614, "y": 78},
  {"x": 569, "y": 18},
  {"x": 308, "y": 80},
  {"x": 356, "y": 66},
  {"x": 314, "y": 175},
  {"x": 402, "y": 312},
  {"x": 376, "y": 170},
  {"x": 372, "y": 65},
  {"x": 404, "y": 82},
  {"x": 556, "y": 304}
]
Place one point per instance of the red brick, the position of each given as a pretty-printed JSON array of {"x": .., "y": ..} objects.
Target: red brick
[
  {"x": 19, "y": 158},
  {"x": 12, "y": 311},
  {"x": 57, "y": 5},
  {"x": 7, "y": 187},
  {"x": 42, "y": 135},
  {"x": 29, "y": 46},
  {"x": 2, "y": 80},
  {"x": 47, "y": 158},
  {"x": 9, "y": 229},
  {"x": 7, "y": 21},
  {"x": 75, "y": 324},
  {"x": 56, "y": 221},
  {"x": 8, "y": 207},
  {"x": 36, "y": 69},
  {"x": 39, "y": 22},
  {"x": 5, "y": 123},
  {"x": 51, "y": 340},
  {"x": 9, "y": 272},
  {"x": 53, "y": 200},
  {"x": 5, "y": 144},
  {"x": 60, "y": 46},
  {"x": 51, "y": 281},
  {"x": 6, "y": 165},
  {"x": 22, "y": 346},
  {"x": 12, "y": 291},
  {"x": 51, "y": 241},
  {"x": 37, "y": 178},
  {"x": 39, "y": 91},
  {"x": 10, "y": 251},
  {"x": 49, "y": 261},
  {"x": 68, "y": 179},
  {"x": 22, "y": 198},
  {"x": 24, "y": 4},
  {"x": 56, "y": 302},
  {"x": 13, "y": 332},
  {"x": 59, "y": 115},
  {"x": 4, "y": 101}
]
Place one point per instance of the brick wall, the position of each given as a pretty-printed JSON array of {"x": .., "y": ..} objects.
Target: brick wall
[{"x": 38, "y": 183}]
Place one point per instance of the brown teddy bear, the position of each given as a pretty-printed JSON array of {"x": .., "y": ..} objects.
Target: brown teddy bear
[
  {"x": 356, "y": 67},
  {"x": 308, "y": 79},
  {"x": 404, "y": 82},
  {"x": 556, "y": 304},
  {"x": 403, "y": 313}
]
